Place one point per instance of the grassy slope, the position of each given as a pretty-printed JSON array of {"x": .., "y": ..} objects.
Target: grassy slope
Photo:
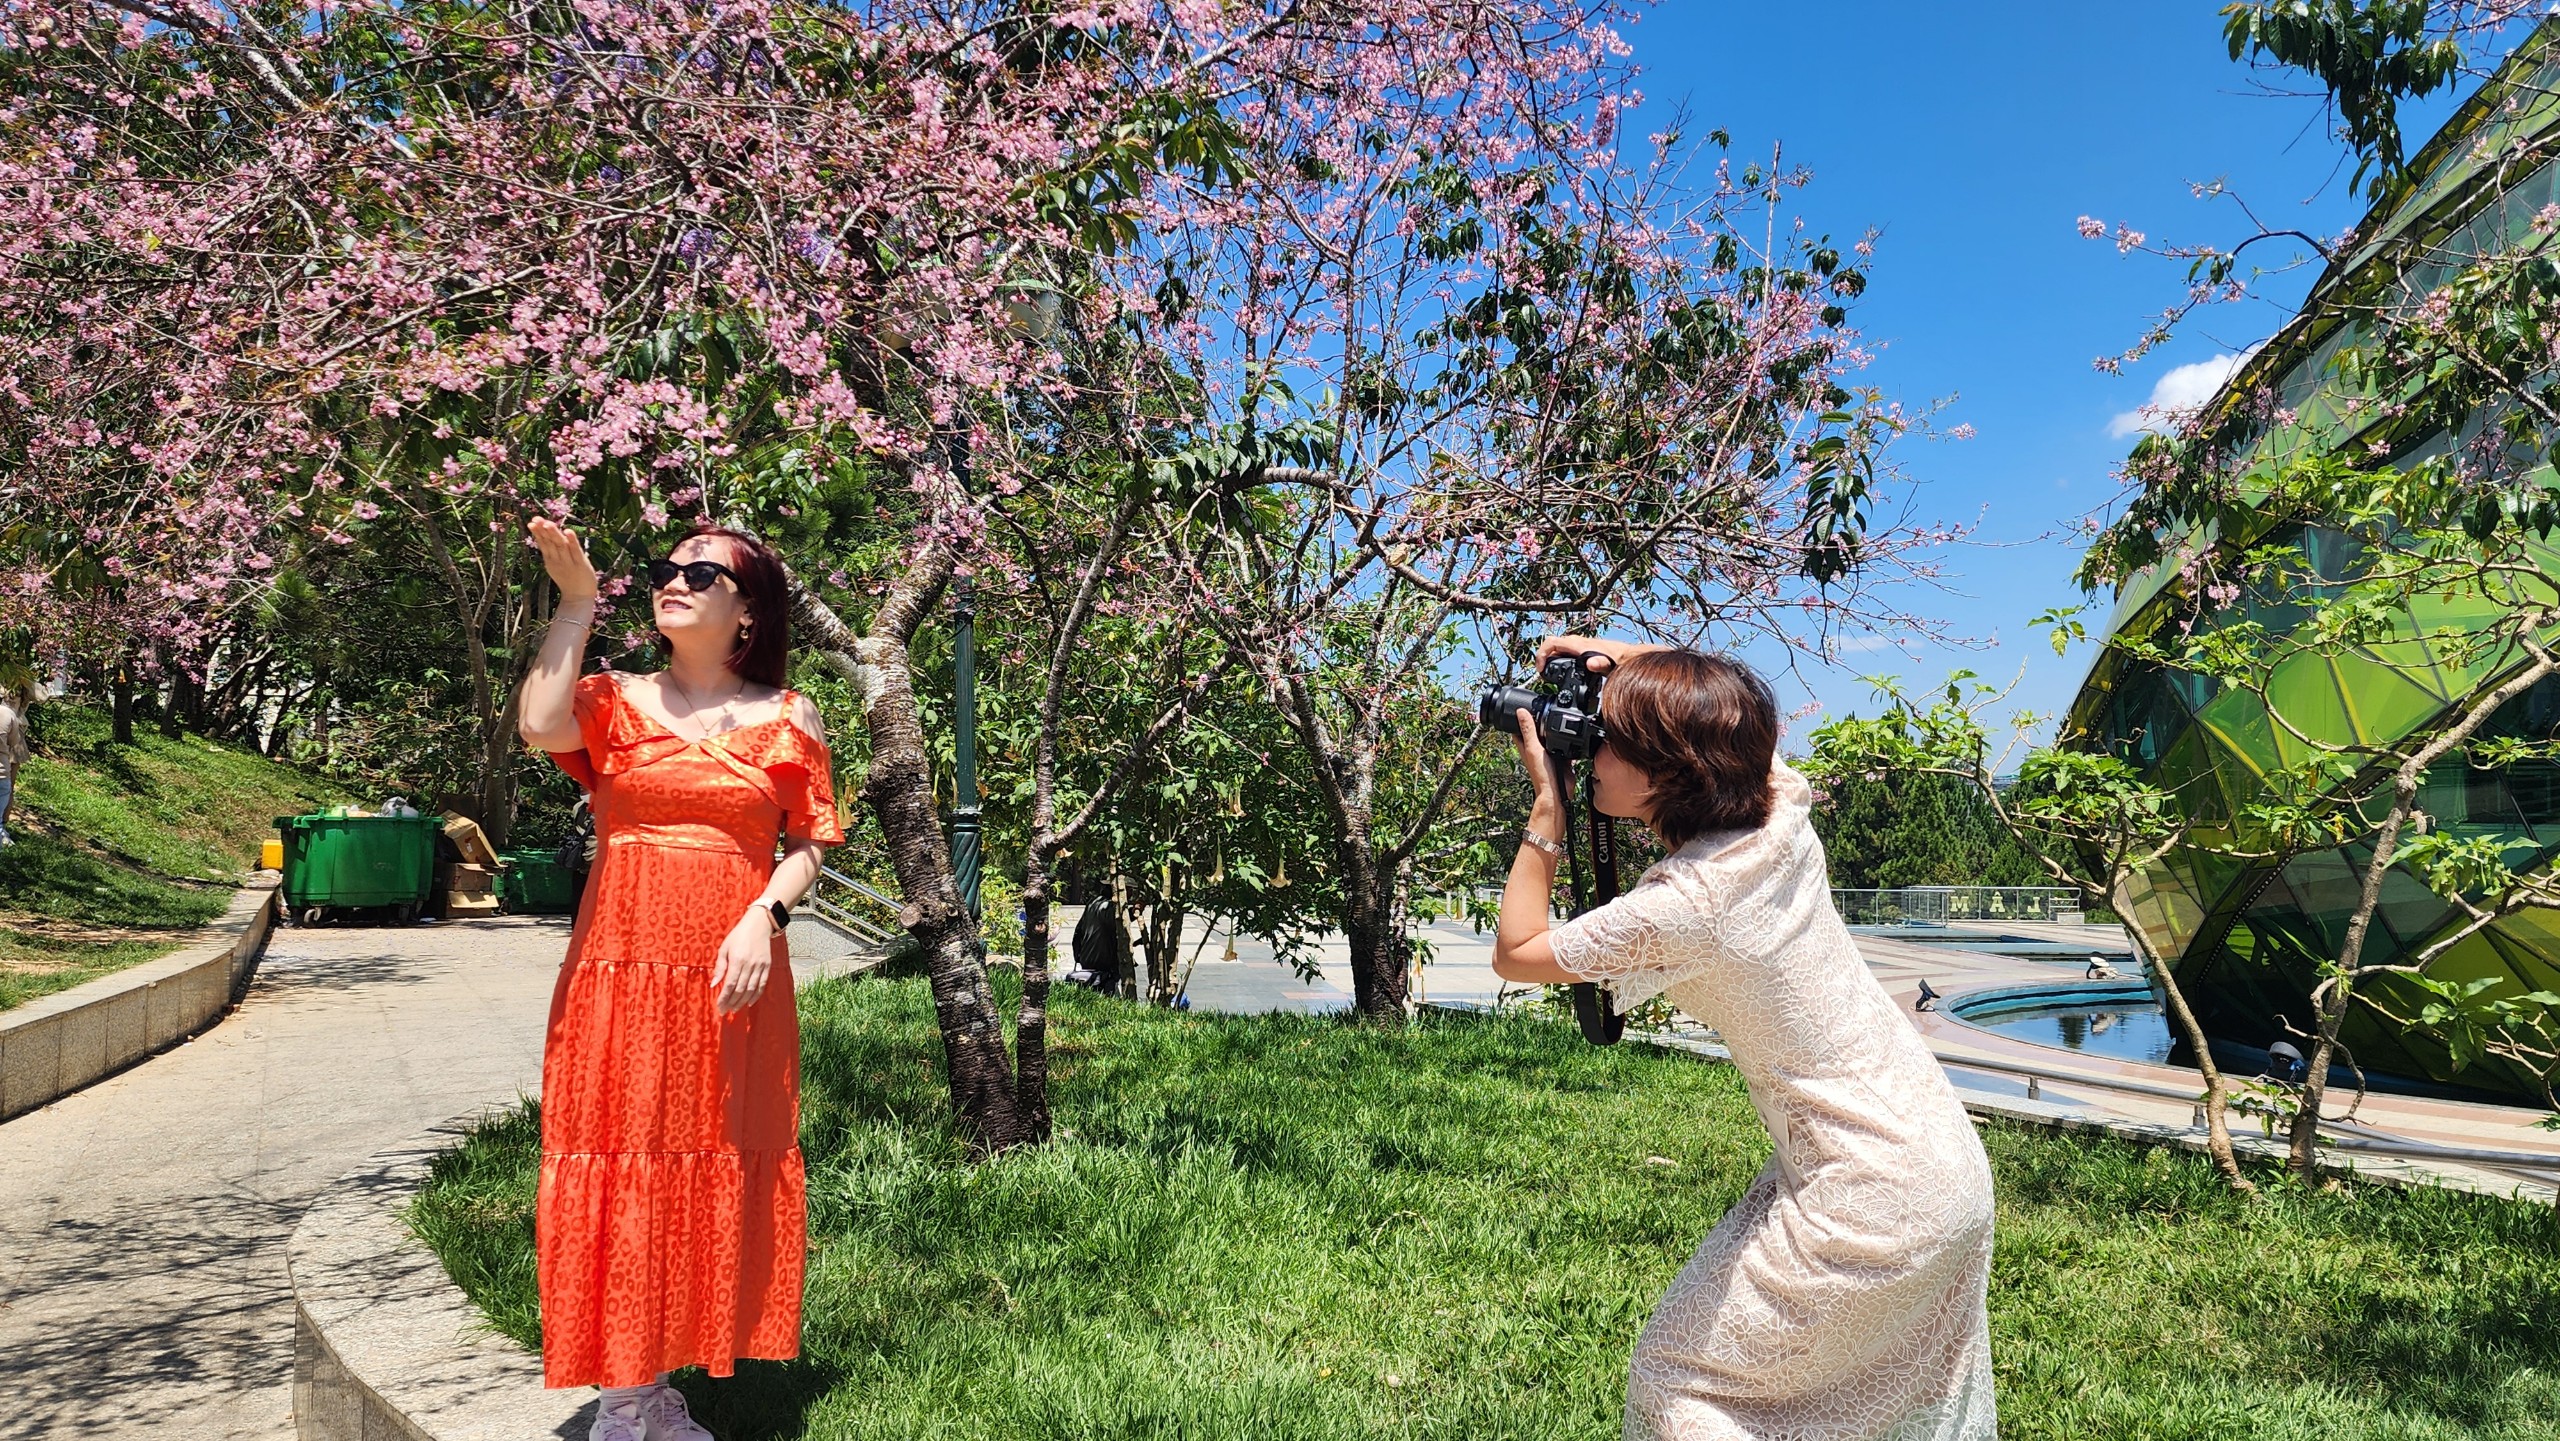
[
  {"x": 117, "y": 842},
  {"x": 1255, "y": 1223}
]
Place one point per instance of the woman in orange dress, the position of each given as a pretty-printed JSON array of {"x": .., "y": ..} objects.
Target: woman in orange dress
[{"x": 670, "y": 1227}]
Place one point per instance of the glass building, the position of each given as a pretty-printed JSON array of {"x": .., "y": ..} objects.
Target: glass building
[{"x": 2246, "y": 936}]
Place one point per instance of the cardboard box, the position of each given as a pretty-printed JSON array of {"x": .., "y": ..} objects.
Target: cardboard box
[{"x": 467, "y": 838}]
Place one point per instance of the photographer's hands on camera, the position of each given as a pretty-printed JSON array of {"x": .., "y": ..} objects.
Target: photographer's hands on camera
[
  {"x": 1552, "y": 732},
  {"x": 1548, "y": 815}
]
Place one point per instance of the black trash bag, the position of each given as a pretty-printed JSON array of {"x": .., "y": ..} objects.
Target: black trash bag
[
  {"x": 1099, "y": 943},
  {"x": 577, "y": 853}
]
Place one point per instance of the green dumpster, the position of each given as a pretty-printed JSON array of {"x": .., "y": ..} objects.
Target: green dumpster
[
  {"x": 534, "y": 883},
  {"x": 334, "y": 864}
]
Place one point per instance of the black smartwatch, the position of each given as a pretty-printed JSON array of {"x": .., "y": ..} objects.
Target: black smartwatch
[{"x": 781, "y": 916}]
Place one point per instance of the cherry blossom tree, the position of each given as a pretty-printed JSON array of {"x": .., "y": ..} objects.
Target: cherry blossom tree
[
  {"x": 1478, "y": 377},
  {"x": 268, "y": 275}
]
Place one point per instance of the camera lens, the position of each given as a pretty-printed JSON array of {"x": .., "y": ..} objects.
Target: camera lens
[{"x": 1500, "y": 707}]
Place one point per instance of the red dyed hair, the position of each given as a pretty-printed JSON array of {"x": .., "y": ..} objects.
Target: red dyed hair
[{"x": 765, "y": 585}]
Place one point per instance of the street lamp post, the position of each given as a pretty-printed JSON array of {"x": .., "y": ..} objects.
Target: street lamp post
[
  {"x": 967, "y": 821},
  {"x": 1032, "y": 313}
]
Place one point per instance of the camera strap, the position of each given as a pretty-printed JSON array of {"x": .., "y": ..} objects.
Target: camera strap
[{"x": 1600, "y": 1025}]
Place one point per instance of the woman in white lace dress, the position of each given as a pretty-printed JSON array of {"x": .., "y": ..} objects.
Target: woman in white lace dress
[{"x": 1842, "y": 1299}]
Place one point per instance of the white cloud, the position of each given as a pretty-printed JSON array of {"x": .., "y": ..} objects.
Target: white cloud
[
  {"x": 1860, "y": 645},
  {"x": 2180, "y": 390}
]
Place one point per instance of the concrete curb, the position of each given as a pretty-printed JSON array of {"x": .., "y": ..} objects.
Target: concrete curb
[
  {"x": 385, "y": 1346},
  {"x": 55, "y": 1045},
  {"x": 2060, "y": 1116}
]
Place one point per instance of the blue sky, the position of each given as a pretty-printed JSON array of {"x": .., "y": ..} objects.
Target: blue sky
[{"x": 1974, "y": 136}]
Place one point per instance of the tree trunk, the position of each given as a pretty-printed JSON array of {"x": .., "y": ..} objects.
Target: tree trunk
[
  {"x": 1031, "y": 1023},
  {"x": 899, "y": 791},
  {"x": 173, "y": 715},
  {"x": 1162, "y": 939},
  {"x": 494, "y": 717},
  {"x": 280, "y": 734},
  {"x": 1380, "y": 951},
  {"x": 120, "y": 698},
  {"x": 499, "y": 746},
  {"x": 2217, "y": 1091}
]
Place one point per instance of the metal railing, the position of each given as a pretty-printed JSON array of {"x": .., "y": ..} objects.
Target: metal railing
[
  {"x": 828, "y": 898},
  {"x": 1936, "y": 905}
]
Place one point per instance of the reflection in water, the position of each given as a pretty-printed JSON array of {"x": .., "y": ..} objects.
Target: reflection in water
[{"x": 2126, "y": 1034}]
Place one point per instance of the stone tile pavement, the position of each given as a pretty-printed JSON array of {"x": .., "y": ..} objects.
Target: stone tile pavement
[{"x": 143, "y": 1221}]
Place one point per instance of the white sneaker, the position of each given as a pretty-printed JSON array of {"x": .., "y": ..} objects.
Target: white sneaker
[
  {"x": 665, "y": 1417},
  {"x": 619, "y": 1418}
]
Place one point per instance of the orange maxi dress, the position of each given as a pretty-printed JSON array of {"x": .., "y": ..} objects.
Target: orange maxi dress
[{"x": 671, "y": 1224}]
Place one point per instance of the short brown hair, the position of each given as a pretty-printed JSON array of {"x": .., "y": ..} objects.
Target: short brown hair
[{"x": 1703, "y": 729}]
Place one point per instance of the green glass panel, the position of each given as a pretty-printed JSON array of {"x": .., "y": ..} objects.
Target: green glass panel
[
  {"x": 2308, "y": 712},
  {"x": 2159, "y": 903},
  {"x": 2240, "y": 724},
  {"x": 2333, "y": 553},
  {"x": 2445, "y": 793},
  {"x": 2489, "y": 804},
  {"x": 2192, "y": 689},
  {"x": 2520, "y": 962},
  {"x": 2405, "y": 913},
  {"x": 2187, "y": 772},
  {"x": 2389, "y": 1049},
  {"x": 2472, "y": 959},
  {"x": 2532, "y": 942},
  {"x": 2326, "y": 888},
  {"x": 2144, "y": 717},
  {"x": 2448, "y": 610},
  {"x": 2213, "y": 875},
  {"x": 2384, "y": 704}
]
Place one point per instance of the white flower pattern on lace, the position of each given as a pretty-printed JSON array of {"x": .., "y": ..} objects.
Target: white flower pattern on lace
[{"x": 1842, "y": 1299}]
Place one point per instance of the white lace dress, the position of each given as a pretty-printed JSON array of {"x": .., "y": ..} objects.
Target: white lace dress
[{"x": 1843, "y": 1297}]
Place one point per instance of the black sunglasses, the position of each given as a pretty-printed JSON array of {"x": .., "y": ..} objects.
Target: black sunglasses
[{"x": 699, "y": 575}]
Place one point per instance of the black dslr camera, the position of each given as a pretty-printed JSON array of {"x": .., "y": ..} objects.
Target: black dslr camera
[
  {"x": 1566, "y": 711},
  {"x": 1568, "y": 717}
]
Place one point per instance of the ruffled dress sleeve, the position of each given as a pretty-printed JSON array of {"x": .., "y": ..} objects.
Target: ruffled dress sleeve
[
  {"x": 804, "y": 785},
  {"x": 1654, "y": 937},
  {"x": 590, "y": 701}
]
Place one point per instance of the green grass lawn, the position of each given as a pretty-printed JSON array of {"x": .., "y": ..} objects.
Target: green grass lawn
[
  {"x": 1284, "y": 1227},
  {"x": 119, "y": 845}
]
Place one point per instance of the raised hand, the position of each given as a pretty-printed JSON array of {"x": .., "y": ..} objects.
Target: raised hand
[
  {"x": 1581, "y": 645},
  {"x": 1546, "y": 799},
  {"x": 564, "y": 557}
]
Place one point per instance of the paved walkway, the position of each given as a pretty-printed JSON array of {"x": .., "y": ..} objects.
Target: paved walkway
[{"x": 143, "y": 1221}]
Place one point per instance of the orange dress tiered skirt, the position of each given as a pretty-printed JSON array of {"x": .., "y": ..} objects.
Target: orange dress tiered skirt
[{"x": 671, "y": 1225}]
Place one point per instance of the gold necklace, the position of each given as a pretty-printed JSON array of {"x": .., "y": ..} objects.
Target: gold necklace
[{"x": 693, "y": 708}]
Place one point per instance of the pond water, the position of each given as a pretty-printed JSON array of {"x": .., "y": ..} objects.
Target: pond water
[{"x": 2134, "y": 1032}]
